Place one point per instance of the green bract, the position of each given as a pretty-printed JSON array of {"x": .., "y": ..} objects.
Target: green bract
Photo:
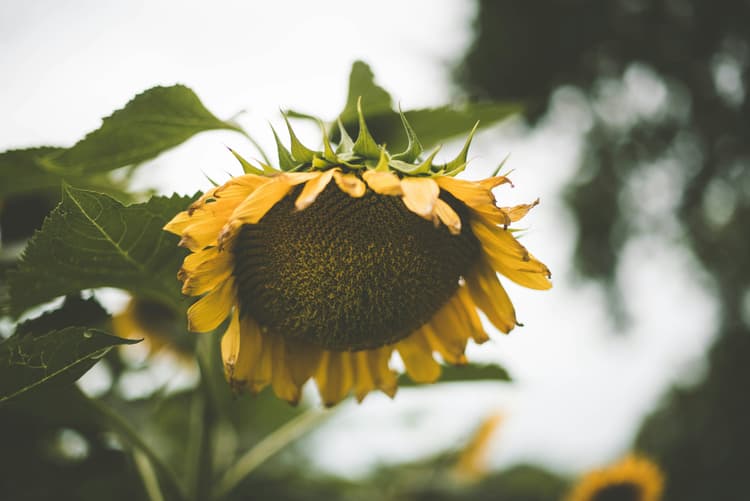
[{"x": 362, "y": 153}]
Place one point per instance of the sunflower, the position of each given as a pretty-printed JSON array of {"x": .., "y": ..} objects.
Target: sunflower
[
  {"x": 154, "y": 322},
  {"x": 329, "y": 265},
  {"x": 634, "y": 478}
]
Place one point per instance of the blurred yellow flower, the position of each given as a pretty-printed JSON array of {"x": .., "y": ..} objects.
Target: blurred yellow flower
[
  {"x": 329, "y": 266},
  {"x": 153, "y": 322},
  {"x": 472, "y": 463},
  {"x": 634, "y": 478}
]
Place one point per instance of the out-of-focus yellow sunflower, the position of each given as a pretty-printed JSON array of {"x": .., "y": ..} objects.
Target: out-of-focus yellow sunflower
[
  {"x": 634, "y": 478},
  {"x": 155, "y": 323},
  {"x": 327, "y": 267}
]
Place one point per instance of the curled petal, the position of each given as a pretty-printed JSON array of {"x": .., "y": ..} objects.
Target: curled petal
[
  {"x": 312, "y": 189},
  {"x": 383, "y": 183},
  {"x": 350, "y": 184},
  {"x": 420, "y": 195}
]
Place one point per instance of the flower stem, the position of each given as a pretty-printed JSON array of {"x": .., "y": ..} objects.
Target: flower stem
[
  {"x": 126, "y": 432},
  {"x": 270, "y": 445}
]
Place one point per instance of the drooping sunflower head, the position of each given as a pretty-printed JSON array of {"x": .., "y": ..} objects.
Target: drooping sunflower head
[
  {"x": 345, "y": 255},
  {"x": 634, "y": 478}
]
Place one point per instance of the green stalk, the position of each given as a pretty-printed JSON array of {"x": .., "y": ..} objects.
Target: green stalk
[
  {"x": 270, "y": 445},
  {"x": 202, "y": 424},
  {"x": 166, "y": 476}
]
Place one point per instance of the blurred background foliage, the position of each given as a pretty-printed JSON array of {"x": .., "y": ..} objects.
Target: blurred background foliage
[{"x": 663, "y": 85}]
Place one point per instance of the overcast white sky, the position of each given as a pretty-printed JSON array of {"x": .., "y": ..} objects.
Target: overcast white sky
[{"x": 580, "y": 391}]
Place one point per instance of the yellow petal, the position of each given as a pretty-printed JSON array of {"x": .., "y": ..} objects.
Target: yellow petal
[
  {"x": 517, "y": 212},
  {"x": 447, "y": 334},
  {"x": 466, "y": 308},
  {"x": 209, "y": 311},
  {"x": 490, "y": 296},
  {"x": 240, "y": 187},
  {"x": 261, "y": 371},
  {"x": 195, "y": 259},
  {"x": 385, "y": 378},
  {"x": 383, "y": 183},
  {"x": 312, "y": 189},
  {"x": 476, "y": 195},
  {"x": 208, "y": 275},
  {"x": 448, "y": 216},
  {"x": 260, "y": 201},
  {"x": 205, "y": 226},
  {"x": 509, "y": 257},
  {"x": 350, "y": 184},
  {"x": 416, "y": 353},
  {"x": 281, "y": 379},
  {"x": 334, "y": 376},
  {"x": 230, "y": 349},
  {"x": 364, "y": 381},
  {"x": 178, "y": 223},
  {"x": 420, "y": 195},
  {"x": 303, "y": 360}
]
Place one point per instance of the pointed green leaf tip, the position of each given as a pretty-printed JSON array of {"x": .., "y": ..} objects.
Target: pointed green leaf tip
[
  {"x": 300, "y": 153},
  {"x": 247, "y": 167},
  {"x": 365, "y": 144},
  {"x": 459, "y": 163},
  {"x": 346, "y": 144},
  {"x": 414, "y": 147},
  {"x": 286, "y": 162}
]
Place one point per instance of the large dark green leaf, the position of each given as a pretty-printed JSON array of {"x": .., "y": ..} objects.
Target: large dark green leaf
[
  {"x": 435, "y": 125},
  {"x": 22, "y": 170},
  {"x": 432, "y": 125},
  {"x": 152, "y": 122},
  {"x": 29, "y": 361},
  {"x": 466, "y": 373},
  {"x": 375, "y": 99},
  {"x": 92, "y": 240},
  {"x": 74, "y": 311}
]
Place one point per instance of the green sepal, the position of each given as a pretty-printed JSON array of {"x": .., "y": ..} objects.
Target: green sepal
[
  {"x": 497, "y": 171},
  {"x": 286, "y": 162},
  {"x": 328, "y": 152},
  {"x": 346, "y": 144},
  {"x": 414, "y": 169},
  {"x": 365, "y": 145},
  {"x": 414, "y": 147},
  {"x": 300, "y": 152},
  {"x": 383, "y": 162},
  {"x": 458, "y": 164},
  {"x": 213, "y": 182},
  {"x": 247, "y": 167},
  {"x": 268, "y": 170},
  {"x": 320, "y": 163}
]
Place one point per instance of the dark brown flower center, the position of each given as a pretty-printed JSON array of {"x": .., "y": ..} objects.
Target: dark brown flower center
[{"x": 349, "y": 273}]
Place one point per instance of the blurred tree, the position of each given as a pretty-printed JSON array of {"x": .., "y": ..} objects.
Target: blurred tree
[{"x": 666, "y": 85}]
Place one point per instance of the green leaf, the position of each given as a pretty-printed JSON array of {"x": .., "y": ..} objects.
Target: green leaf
[
  {"x": 435, "y": 125},
  {"x": 466, "y": 373},
  {"x": 362, "y": 85},
  {"x": 74, "y": 311},
  {"x": 152, "y": 122},
  {"x": 92, "y": 240},
  {"x": 21, "y": 170},
  {"x": 27, "y": 170},
  {"x": 29, "y": 361}
]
